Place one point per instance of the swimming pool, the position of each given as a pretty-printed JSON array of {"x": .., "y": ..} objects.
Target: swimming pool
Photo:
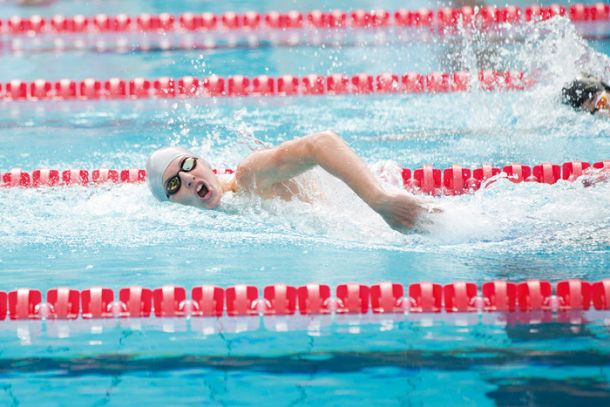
[{"x": 119, "y": 236}]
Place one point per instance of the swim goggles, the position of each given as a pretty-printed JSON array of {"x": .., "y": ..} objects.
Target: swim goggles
[
  {"x": 601, "y": 103},
  {"x": 173, "y": 184}
]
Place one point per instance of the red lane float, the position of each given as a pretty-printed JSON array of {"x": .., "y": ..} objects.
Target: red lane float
[
  {"x": 499, "y": 296},
  {"x": 260, "y": 86},
  {"x": 63, "y": 303},
  {"x": 425, "y": 297},
  {"x": 24, "y": 303},
  {"x": 455, "y": 180},
  {"x": 104, "y": 175},
  {"x": 169, "y": 301},
  {"x": 136, "y": 302},
  {"x": 97, "y": 302},
  {"x": 531, "y": 296},
  {"x": 280, "y": 299},
  {"x": 314, "y": 299},
  {"x": 352, "y": 299},
  {"x": 241, "y": 300},
  {"x": 207, "y": 301},
  {"x": 45, "y": 177},
  {"x": 460, "y": 297},
  {"x": 442, "y": 18},
  {"x": 387, "y": 298}
]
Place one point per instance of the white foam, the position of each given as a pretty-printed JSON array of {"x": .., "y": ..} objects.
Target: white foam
[
  {"x": 530, "y": 126},
  {"x": 505, "y": 216}
]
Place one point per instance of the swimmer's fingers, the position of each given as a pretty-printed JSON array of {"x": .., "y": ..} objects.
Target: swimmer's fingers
[
  {"x": 426, "y": 219},
  {"x": 593, "y": 180},
  {"x": 404, "y": 212},
  {"x": 435, "y": 209},
  {"x": 587, "y": 182},
  {"x": 427, "y": 204},
  {"x": 431, "y": 207}
]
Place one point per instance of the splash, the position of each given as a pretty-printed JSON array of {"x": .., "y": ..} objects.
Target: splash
[
  {"x": 508, "y": 217},
  {"x": 468, "y": 128},
  {"x": 553, "y": 54}
]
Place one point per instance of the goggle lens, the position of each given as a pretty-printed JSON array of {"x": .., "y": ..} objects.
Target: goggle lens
[
  {"x": 188, "y": 164},
  {"x": 173, "y": 185}
]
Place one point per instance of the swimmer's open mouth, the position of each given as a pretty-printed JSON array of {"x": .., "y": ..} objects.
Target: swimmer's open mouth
[{"x": 202, "y": 190}]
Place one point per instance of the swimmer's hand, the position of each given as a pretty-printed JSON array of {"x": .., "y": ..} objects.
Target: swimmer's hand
[
  {"x": 400, "y": 210},
  {"x": 595, "y": 177}
]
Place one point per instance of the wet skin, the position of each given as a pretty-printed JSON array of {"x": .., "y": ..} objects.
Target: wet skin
[
  {"x": 598, "y": 105},
  {"x": 270, "y": 173},
  {"x": 199, "y": 187}
]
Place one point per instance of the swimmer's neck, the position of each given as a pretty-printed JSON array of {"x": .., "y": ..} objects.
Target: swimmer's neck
[{"x": 229, "y": 185}]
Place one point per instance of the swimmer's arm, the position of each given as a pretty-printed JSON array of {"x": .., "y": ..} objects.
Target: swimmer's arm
[
  {"x": 265, "y": 168},
  {"x": 595, "y": 176}
]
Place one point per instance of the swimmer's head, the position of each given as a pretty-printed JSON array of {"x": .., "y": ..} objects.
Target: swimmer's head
[
  {"x": 177, "y": 175},
  {"x": 587, "y": 94}
]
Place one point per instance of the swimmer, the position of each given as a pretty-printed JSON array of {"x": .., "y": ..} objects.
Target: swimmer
[
  {"x": 179, "y": 176},
  {"x": 588, "y": 94}
]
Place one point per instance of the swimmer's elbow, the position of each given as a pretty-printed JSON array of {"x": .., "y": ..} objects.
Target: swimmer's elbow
[
  {"x": 327, "y": 136},
  {"x": 324, "y": 141}
]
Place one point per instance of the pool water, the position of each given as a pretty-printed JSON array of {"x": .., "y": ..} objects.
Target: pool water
[{"x": 120, "y": 236}]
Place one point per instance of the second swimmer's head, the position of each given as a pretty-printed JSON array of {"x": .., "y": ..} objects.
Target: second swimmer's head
[
  {"x": 587, "y": 94},
  {"x": 177, "y": 175}
]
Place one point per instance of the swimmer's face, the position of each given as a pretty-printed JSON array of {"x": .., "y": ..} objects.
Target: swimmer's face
[
  {"x": 599, "y": 104},
  {"x": 197, "y": 185}
]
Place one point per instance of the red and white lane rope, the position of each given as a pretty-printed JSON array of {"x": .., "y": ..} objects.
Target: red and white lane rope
[
  {"x": 145, "y": 32},
  {"x": 261, "y": 86},
  {"x": 316, "y": 19},
  {"x": 532, "y": 296},
  {"x": 455, "y": 180}
]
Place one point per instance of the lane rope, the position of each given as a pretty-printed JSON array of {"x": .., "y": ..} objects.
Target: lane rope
[
  {"x": 315, "y": 19},
  {"x": 531, "y": 296},
  {"x": 146, "y": 32},
  {"x": 455, "y": 180},
  {"x": 261, "y": 86}
]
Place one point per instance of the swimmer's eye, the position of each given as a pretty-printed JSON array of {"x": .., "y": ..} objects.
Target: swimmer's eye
[
  {"x": 173, "y": 185},
  {"x": 188, "y": 164}
]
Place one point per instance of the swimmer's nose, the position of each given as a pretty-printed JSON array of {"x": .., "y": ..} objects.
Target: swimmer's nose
[{"x": 187, "y": 179}]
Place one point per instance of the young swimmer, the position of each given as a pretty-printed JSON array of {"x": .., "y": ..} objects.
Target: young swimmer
[
  {"x": 588, "y": 94},
  {"x": 177, "y": 175}
]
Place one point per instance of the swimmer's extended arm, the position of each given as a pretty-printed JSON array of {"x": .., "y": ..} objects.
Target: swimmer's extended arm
[
  {"x": 591, "y": 177},
  {"x": 262, "y": 169}
]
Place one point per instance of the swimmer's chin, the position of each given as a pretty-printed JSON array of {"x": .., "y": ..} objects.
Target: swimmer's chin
[{"x": 211, "y": 202}]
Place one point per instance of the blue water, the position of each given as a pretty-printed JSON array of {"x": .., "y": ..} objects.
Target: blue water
[{"x": 119, "y": 236}]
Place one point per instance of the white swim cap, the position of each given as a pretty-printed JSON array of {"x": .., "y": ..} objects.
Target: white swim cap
[{"x": 157, "y": 164}]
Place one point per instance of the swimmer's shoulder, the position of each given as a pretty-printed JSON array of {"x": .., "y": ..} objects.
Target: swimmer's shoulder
[{"x": 248, "y": 172}]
